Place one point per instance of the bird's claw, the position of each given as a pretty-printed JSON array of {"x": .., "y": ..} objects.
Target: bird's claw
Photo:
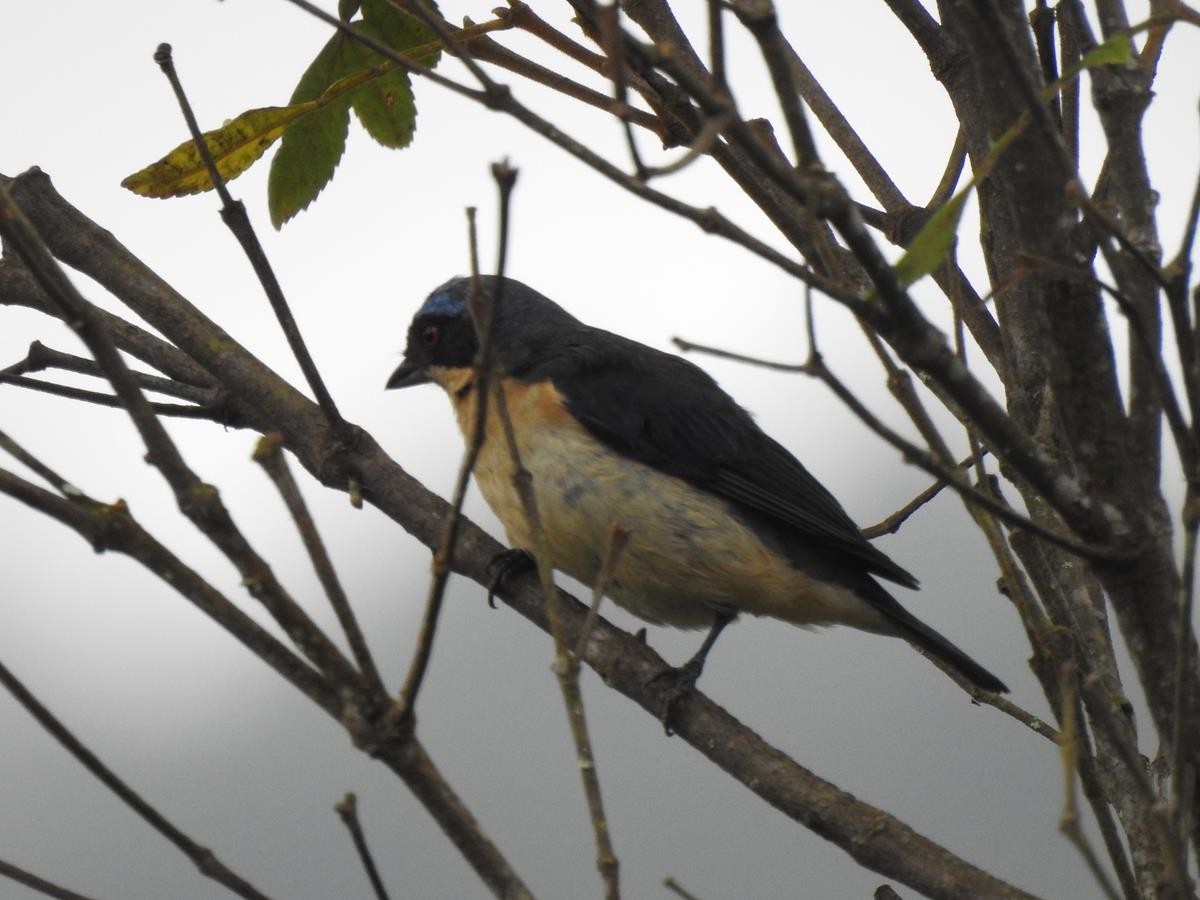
[
  {"x": 503, "y": 566},
  {"x": 676, "y": 683}
]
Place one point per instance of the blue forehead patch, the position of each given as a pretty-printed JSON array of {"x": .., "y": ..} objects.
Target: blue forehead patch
[{"x": 443, "y": 303}]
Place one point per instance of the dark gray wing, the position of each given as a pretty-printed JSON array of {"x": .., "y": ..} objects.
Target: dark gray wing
[{"x": 669, "y": 414}]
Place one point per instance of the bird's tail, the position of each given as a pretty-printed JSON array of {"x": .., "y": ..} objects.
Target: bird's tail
[{"x": 929, "y": 641}]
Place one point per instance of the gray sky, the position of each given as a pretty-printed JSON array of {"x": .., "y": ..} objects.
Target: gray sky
[{"x": 243, "y": 764}]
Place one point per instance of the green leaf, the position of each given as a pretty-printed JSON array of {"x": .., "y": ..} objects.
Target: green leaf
[
  {"x": 932, "y": 243},
  {"x": 335, "y": 60},
  {"x": 385, "y": 106},
  {"x": 398, "y": 29},
  {"x": 346, "y": 74},
  {"x": 1116, "y": 51},
  {"x": 315, "y": 125},
  {"x": 234, "y": 147},
  {"x": 386, "y": 109},
  {"x": 305, "y": 161},
  {"x": 313, "y": 147}
]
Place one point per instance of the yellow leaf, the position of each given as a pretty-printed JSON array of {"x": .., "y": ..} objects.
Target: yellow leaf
[{"x": 234, "y": 148}]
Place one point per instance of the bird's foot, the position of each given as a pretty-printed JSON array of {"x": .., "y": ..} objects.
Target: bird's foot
[
  {"x": 676, "y": 683},
  {"x": 503, "y": 566}
]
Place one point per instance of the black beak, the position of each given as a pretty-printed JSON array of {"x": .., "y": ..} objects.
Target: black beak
[{"x": 407, "y": 375}]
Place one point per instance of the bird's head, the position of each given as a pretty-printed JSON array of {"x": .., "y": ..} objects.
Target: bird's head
[
  {"x": 440, "y": 337},
  {"x": 442, "y": 341}
]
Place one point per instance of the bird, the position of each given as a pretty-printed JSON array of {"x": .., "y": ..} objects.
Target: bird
[{"x": 722, "y": 519}]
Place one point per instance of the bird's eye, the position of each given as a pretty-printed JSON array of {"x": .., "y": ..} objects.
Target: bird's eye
[{"x": 430, "y": 335}]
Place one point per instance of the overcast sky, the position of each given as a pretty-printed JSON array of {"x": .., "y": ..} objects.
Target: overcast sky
[{"x": 245, "y": 765}]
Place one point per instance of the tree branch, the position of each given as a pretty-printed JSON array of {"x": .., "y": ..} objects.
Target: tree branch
[
  {"x": 199, "y": 502},
  {"x": 233, "y": 213},
  {"x": 203, "y": 858}
]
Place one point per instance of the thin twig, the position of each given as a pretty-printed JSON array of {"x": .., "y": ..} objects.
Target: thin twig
[
  {"x": 1015, "y": 583},
  {"x": 449, "y": 36},
  {"x": 716, "y": 45},
  {"x": 892, "y": 523},
  {"x": 1068, "y": 631},
  {"x": 566, "y": 666},
  {"x": 1182, "y": 740},
  {"x": 761, "y": 21},
  {"x": 786, "y": 211},
  {"x": 29, "y": 247},
  {"x": 933, "y": 465},
  {"x": 1098, "y": 705},
  {"x": 405, "y": 756},
  {"x": 496, "y": 96},
  {"x": 233, "y": 214},
  {"x": 1178, "y": 273},
  {"x": 112, "y": 527},
  {"x": 347, "y": 810},
  {"x": 408, "y": 64},
  {"x": 445, "y": 551},
  {"x": 1043, "y": 117},
  {"x": 522, "y": 16},
  {"x": 1186, "y": 442},
  {"x": 610, "y": 32},
  {"x": 485, "y": 49},
  {"x": 901, "y": 219},
  {"x": 1041, "y": 22},
  {"x": 39, "y": 357},
  {"x": 525, "y": 17},
  {"x": 795, "y": 199},
  {"x": 618, "y": 538},
  {"x": 1017, "y": 588},
  {"x": 1077, "y": 195},
  {"x": 175, "y": 410},
  {"x": 1034, "y": 723},
  {"x": 200, "y": 502},
  {"x": 689, "y": 347},
  {"x": 268, "y": 453},
  {"x": 900, "y": 386},
  {"x": 1070, "y": 748},
  {"x": 38, "y": 884},
  {"x": 838, "y": 127},
  {"x": 925, "y": 30},
  {"x": 702, "y": 146},
  {"x": 18, "y": 287},
  {"x": 951, "y": 174},
  {"x": 916, "y": 455},
  {"x": 1182, "y": 260},
  {"x": 203, "y": 858},
  {"x": 1069, "y": 54},
  {"x": 676, "y": 888},
  {"x": 47, "y": 474}
]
